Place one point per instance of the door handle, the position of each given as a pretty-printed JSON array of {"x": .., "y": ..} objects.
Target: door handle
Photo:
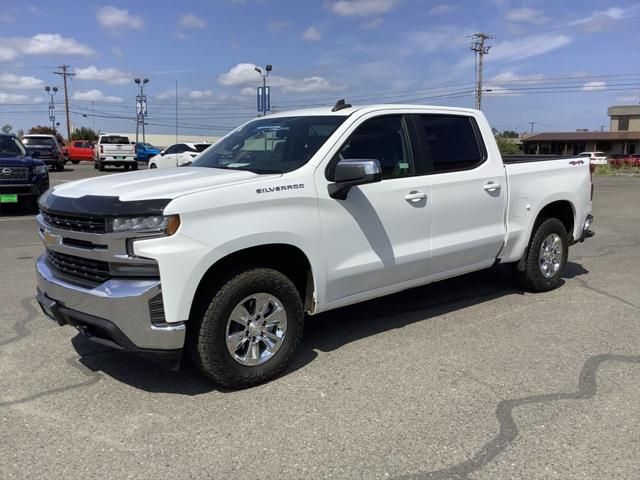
[
  {"x": 491, "y": 187},
  {"x": 415, "y": 196}
]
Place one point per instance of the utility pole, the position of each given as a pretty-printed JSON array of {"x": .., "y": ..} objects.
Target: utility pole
[
  {"x": 52, "y": 106},
  {"x": 532, "y": 124},
  {"x": 480, "y": 49},
  {"x": 141, "y": 107},
  {"x": 66, "y": 74}
]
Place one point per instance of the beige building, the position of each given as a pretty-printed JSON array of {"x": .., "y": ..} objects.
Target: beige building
[
  {"x": 624, "y": 118},
  {"x": 623, "y": 137}
]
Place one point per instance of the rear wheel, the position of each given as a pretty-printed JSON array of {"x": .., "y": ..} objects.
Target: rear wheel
[
  {"x": 546, "y": 257},
  {"x": 248, "y": 330},
  {"x": 75, "y": 162},
  {"x": 134, "y": 166},
  {"x": 101, "y": 166}
]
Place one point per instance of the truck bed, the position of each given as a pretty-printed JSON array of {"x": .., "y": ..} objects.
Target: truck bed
[{"x": 509, "y": 159}]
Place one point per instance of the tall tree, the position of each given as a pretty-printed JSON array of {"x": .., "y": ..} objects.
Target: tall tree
[
  {"x": 84, "y": 133},
  {"x": 7, "y": 128}
]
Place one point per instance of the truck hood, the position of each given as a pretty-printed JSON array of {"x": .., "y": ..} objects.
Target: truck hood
[{"x": 158, "y": 183}]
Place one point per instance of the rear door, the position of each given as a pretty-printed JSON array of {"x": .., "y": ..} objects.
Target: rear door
[{"x": 467, "y": 194}]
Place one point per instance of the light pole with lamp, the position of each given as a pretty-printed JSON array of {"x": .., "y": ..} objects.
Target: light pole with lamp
[
  {"x": 52, "y": 108},
  {"x": 141, "y": 107},
  {"x": 265, "y": 105}
]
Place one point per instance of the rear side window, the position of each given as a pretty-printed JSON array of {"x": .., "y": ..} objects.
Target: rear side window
[
  {"x": 113, "y": 140},
  {"x": 201, "y": 147},
  {"x": 451, "y": 142}
]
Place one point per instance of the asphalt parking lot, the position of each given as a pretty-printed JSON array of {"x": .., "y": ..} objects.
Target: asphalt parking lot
[{"x": 467, "y": 378}]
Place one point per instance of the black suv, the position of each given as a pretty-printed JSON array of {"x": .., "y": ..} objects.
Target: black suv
[
  {"x": 48, "y": 149},
  {"x": 22, "y": 177}
]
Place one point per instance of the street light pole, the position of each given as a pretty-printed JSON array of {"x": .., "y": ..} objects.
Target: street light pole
[
  {"x": 52, "y": 107},
  {"x": 141, "y": 107},
  {"x": 264, "y": 76}
]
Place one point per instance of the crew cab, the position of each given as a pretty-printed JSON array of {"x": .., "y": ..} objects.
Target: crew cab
[
  {"x": 23, "y": 177},
  {"x": 295, "y": 214},
  {"x": 48, "y": 148},
  {"x": 115, "y": 150},
  {"x": 80, "y": 150},
  {"x": 177, "y": 155}
]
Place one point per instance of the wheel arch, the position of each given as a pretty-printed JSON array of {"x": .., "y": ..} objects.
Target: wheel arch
[
  {"x": 563, "y": 210},
  {"x": 286, "y": 258}
]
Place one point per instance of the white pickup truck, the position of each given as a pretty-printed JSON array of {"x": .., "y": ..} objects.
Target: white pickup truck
[
  {"x": 295, "y": 214},
  {"x": 115, "y": 150}
]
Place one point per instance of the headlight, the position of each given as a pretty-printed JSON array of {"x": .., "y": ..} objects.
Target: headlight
[
  {"x": 40, "y": 170},
  {"x": 155, "y": 223}
]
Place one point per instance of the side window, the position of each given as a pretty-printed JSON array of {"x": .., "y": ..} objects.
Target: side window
[
  {"x": 171, "y": 149},
  {"x": 451, "y": 143},
  {"x": 181, "y": 148},
  {"x": 384, "y": 139}
]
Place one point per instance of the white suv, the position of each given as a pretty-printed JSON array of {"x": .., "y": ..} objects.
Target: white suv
[{"x": 595, "y": 158}]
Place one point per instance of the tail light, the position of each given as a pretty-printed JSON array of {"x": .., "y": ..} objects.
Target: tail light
[{"x": 101, "y": 149}]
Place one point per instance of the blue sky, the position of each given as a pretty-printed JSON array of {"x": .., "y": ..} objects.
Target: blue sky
[{"x": 558, "y": 63}]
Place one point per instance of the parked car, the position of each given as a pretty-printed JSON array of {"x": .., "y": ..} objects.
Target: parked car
[
  {"x": 23, "y": 177},
  {"x": 300, "y": 213},
  {"x": 80, "y": 150},
  {"x": 595, "y": 158},
  {"x": 48, "y": 149},
  {"x": 178, "y": 155},
  {"x": 115, "y": 150},
  {"x": 145, "y": 151}
]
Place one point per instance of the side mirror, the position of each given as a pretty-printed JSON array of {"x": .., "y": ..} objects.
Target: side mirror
[
  {"x": 162, "y": 153},
  {"x": 34, "y": 154},
  {"x": 352, "y": 172}
]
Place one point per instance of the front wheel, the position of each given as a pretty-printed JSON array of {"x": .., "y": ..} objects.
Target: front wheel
[
  {"x": 546, "y": 257},
  {"x": 250, "y": 329},
  {"x": 153, "y": 165},
  {"x": 75, "y": 162}
]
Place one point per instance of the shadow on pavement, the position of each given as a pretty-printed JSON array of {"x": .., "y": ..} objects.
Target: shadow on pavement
[{"x": 324, "y": 332}]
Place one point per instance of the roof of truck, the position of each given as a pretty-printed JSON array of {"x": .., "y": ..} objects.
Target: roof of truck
[{"x": 344, "y": 112}]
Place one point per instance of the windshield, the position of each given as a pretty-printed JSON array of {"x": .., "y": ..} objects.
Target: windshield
[
  {"x": 11, "y": 147},
  {"x": 114, "y": 140},
  {"x": 267, "y": 145},
  {"x": 45, "y": 141}
]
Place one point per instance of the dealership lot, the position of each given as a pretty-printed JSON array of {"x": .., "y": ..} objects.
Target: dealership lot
[{"x": 468, "y": 378}]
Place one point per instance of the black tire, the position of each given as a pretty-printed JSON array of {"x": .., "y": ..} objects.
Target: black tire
[
  {"x": 532, "y": 277},
  {"x": 95, "y": 165},
  {"x": 101, "y": 166},
  {"x": 134, "y": 166},
  {"x": 153, "y": 165},
  {"x": 75, "y": 162},
  {"x": 206, "y": 341},
  {"x": 60, "y": 167}
]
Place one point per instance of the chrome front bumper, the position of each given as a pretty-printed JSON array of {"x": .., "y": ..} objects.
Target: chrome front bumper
[{"x": 115, "y": 313}]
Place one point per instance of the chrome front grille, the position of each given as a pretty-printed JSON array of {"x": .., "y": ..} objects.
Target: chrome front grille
[
  {"x": 75, "y": 223},
  {"x": 14, "y": 173},
  {"x": 86, "y": 269}
]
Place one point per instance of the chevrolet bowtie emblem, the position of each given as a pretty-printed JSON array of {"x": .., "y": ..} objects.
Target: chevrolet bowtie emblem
[{"x": 51, "y": 238}]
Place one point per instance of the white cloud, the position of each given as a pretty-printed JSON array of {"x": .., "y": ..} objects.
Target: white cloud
[
  {"x": 590, "y": 86},
  {"x": 191, "y": 21},
  {"x": 34, "y": 10},
  {"x": 441, "y": 9},
  {"x": 312, "y": 34},
  {"x": 117, "y": 51},
  {"x": 37, "y": 99},
  {"x": 117, "y": 19},
  {"x": 363, "y": 8},
  {"x": 278, "y": 25},
  {"x": 41, "y": 44},
  {"x": 14, "y": 82},
  {"x": 180, "y": 35},
  {"x": 371, "y": 24},
  {"x": 112, "y": 76},
  {"x": 248, "y": 91},
  {"x": 509, "y": 77},
  {"x": 629, "y": 99},
  {"x": 243, "y": 75},
  {"x": 12, "y": 97},
  {"x": 94, "y": 96},
  {"x": 438, "y": 38},
  {"x": 167, "y": 94},
  {"x": 198, "y": 94},
  {"x": 526, "y": 47},
  {"x": 526, "y": 15},
  {"x": 603, "y": 19}
]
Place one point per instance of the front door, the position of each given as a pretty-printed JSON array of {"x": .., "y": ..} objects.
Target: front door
[{"x": 379, "y": 236}]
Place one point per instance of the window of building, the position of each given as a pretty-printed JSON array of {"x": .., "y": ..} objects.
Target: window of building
[
  {"x": 623, "y": 123},
  {"x": 451, "y": 142}
]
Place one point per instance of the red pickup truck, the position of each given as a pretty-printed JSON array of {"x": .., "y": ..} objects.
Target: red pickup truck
[{"x": 80, "y": 150}]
